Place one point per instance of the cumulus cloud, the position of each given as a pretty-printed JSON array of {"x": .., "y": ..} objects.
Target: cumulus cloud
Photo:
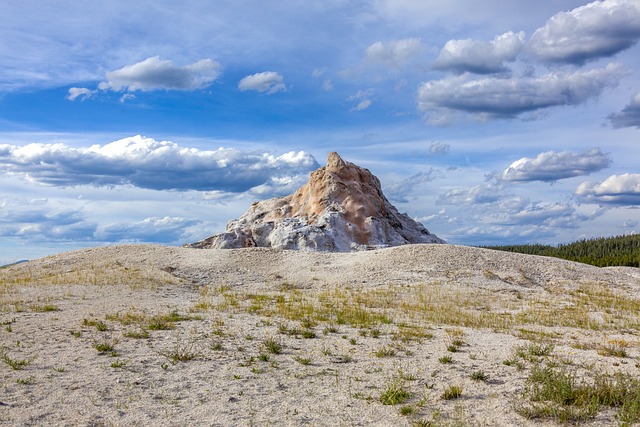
[
  {"x": 267, "y": 81},
  {"x": 407, "y": 189},
  {"x": 393, "y": 53},
  {"x": 79, "y": 92},
  {"x": 491, "y": 97},
  {"x": 154, "y": 74},
  {"x": 616, "y": 190},
  {"x": 557, "y": 214},
  {"x": 492, "y": 214},
  {"x": 150, "y": 164},
  {"x": 40, "y": 220},
  {"x": 479, "y": 194},
  {"x": 480, "y": 57},
  {"x": 629, "y": 116},
  {"x": 153, "y": 229},
  {"x": 595, "y": 30},
  {"x": 552, "y": 166}
]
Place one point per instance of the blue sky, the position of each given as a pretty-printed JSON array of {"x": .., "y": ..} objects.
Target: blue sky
[{"x": 491, "y": 122}]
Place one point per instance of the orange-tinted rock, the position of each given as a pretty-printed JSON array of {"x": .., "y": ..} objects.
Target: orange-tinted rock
[{"x": 340, "y": 208}]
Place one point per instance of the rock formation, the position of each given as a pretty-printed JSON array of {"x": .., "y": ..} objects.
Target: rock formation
[{"x": 341, "y": 208}]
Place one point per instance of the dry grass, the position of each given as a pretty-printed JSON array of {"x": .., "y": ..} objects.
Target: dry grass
[{"x": 352, "y": 339}]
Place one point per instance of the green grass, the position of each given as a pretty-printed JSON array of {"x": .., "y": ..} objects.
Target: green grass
[
  {"x": 273, "y": 346},
  {"x": 15, "y": 364},
  {"x": 141, "y": 334},
  {"x": 25, "y": 381},
  {"x": 101, "y": 326},
  {"x": 394, "y": 393},
  {"x": 105, "y": 345},
  {"x": 302, "y": 360},
  {"x": 479, "y": 376},
  {"x": 385, "y": 351},
  {"x": 445, "y": 359},
  {"x": 118, "y": 364},
  {"x": 452, "y": 392},
  {"x": 407, "y": 410},
  {"x": 181, "y": 353},
  {"x": 44, "y": 308},
  {"x": 560, "y": 395}
]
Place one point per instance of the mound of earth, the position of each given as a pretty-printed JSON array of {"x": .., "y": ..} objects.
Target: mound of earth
[{"x": 341, "y": 208}]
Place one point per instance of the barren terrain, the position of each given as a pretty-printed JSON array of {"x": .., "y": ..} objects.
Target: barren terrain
[{"x": 417, "y": 335}]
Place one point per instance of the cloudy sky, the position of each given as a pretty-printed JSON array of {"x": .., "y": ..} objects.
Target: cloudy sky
[{"x": 491, "y": 122}]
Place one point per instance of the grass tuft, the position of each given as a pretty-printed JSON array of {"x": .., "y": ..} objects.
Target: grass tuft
[
  {"x": 15, "y": 364},
  {"x": 273, "y": 346},
  {"x": 452, "y": 392},
  {"x": 394, "y": 393}
]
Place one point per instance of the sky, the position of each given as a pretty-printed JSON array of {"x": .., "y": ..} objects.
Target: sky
[{"x": 494, "y": 122}]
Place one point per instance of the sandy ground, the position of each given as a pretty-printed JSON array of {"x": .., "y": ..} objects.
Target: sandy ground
[{"x": 195, "y": 335}]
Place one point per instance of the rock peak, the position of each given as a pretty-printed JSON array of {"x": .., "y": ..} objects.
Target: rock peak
[
  {"x": 341, "y": 208},
  {"x": 335, "y": 162}
]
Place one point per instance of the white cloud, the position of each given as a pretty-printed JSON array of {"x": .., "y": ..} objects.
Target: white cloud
[
  {"x": 42, "y": 220},
  {"x": 408, "y": 189},
  {"x": 552, "y": 166},
  {"x": 364, "y": 99},
  {"x": 479, "y": 194},
  {"x": 629, "y": 116},
  {"x": 616, "y": 190},
  {"x": 168, "y": 230},
  {"x": 127, "y": 96},
  {"x": 362, "y": 105},
  {"x": 439, "y": 148},
  {"x": 147, "y": 163},
  {"x": 595, "y": 30},
  {"x": 155, "y": 74},
  {"x": 488, "y": 214},
  {"x": 79, "y": 92},
  {"x": 394, "y": 53},
  {"x": 492, "y": 97},
  {"x": 479, "y": 56},
  {"x": 548, "y": 214},
  {"x": 267, "y": 81}
]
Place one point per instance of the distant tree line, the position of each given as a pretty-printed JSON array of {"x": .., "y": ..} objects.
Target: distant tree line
[{"x": 601, "y": 252}]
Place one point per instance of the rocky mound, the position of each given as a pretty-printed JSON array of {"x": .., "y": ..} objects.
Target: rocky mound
[{"x": 341, "y": 208}]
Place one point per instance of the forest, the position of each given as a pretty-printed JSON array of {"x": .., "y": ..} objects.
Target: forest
[{"x": 601, "y": 252}]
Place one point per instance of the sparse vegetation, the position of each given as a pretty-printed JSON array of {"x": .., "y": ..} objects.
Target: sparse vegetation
[
  {"x": 118, "y": 364},
  {"x": 302, "y": 360},
  {"x": 559, "y": 394},
  {"x": 44, "y": 308},
  {"x": 137, "y": 334},
  {"x": 181, "y": 353},
  {"x": 394, "y": 393},
  {"x": 452, "y": 392},
  {"x": 378, "y": 329},
  {"x": 479, "y": 376},
  {"x": 105, "y": 345},
  {"x": 272, "y": 345},
  {"x": 385, "y": 351},
  {"x": 15, "y": 364},
  {"x": 445, "y": 359}
]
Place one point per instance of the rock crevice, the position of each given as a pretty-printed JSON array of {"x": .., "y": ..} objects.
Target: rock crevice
[{"x": 341, "y": 208}]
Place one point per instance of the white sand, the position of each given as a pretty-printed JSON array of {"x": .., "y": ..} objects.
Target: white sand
[{"x": 68, "y": 382}]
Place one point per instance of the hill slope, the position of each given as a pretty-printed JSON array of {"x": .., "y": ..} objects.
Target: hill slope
[{"x": 152, "y": 335}]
